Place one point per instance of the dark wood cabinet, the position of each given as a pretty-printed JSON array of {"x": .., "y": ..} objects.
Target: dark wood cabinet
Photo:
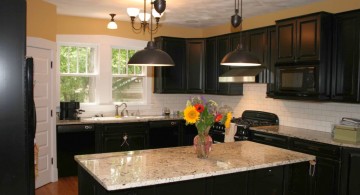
[
  {"x": 327, "y": 170},
  {"x": 236, "y": 183},
  {"x": 269, "y": 74},
  {"x": 223, "y": 47},
  {"x": 216, "y": 49},
  {"x": 211, "y": 76},
  {"x": 122, "y": 137},
  {"x": 269, "y": 139},
  {"x": 300, "y": 179},
  {"x": 195, "y": 65},
  {"x": 188, "y": 74},
  {"x": 266, "y": 181},
  {"x": 163, "y": 134},
  {"x": 346, "y": 58},
  {"x": 350, "y": 171},
  {"x": 304, "y": 39},
  {"x": 189, "y": 132},
  {"x": 171, "y": 79}
]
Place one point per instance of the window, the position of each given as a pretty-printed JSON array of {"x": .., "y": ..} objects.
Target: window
[
  {"x": 127, "y": 81},
  {"x": 77, "y": 73}
]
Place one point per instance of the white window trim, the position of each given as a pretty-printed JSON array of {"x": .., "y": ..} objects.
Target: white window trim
[{"x": 104, "y": 43}]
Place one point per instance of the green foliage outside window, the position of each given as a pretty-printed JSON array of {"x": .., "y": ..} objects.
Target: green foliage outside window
[
  {"x": 127, "y": 81},
  {"x": 75, "y": 64}
]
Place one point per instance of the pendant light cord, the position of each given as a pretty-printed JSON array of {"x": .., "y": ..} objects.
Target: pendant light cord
[
  {"x": 240, "y": 41},
  {"x": 151, "y": 20}
]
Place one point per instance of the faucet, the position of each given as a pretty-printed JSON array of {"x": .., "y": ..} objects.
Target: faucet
[{"x": 122, "y": 111}]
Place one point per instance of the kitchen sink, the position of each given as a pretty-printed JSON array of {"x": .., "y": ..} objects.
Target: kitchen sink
[{"x": 124, "y": 118}]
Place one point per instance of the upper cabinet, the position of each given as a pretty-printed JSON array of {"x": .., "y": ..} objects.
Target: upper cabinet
[
  {"x": 171, "y": 79},
  {"x": 346, "y": 57},
  {"x": 304, "y": 39},
  {"x": 195, "y": 65}
]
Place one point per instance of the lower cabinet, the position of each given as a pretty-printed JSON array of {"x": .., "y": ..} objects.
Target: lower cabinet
[
  {"x": 189, "y": 132},
  {"x": 350, "y": 172},
  {"x": 327, "y": 169},
  {"x": 164, "y": 134},
  {"x": 267, "y": 181},
  {"x": 122, "y": 137}
]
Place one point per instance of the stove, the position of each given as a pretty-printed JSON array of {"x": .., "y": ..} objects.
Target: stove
[{"x": 249, "y": 118}]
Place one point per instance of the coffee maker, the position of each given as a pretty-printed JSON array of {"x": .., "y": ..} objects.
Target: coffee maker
[{"x": 70, "y": 110}]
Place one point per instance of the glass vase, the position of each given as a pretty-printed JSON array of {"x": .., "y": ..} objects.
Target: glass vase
[{"x": 202, "y": 145}]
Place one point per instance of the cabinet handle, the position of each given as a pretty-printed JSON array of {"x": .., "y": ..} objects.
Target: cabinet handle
[
  {"x": 125, "y": 137},
  {"x": 88, "y": 127},
  {"x": 173, "y": 123},
  {"x": 312, "y": 168}
]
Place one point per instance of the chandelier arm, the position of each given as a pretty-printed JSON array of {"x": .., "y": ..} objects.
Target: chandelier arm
[{"x": 134, "y": 28}]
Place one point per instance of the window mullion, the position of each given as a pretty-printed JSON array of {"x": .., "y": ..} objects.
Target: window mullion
[
  {"x": 68, "y": 60},
  {"x": 77, "y": 59},
  {"x": 86, "y": 60},
  {"x": 119, "y": 62}
]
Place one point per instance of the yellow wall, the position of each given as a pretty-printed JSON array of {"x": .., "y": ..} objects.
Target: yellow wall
[
  {"x": 92, "y": 26},
  {"x": 332, "y": 6},
  {"x": 41, "y": 20}
]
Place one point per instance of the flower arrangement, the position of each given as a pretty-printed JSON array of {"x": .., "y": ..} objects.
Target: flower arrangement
[{"x": 204, "y": 114}]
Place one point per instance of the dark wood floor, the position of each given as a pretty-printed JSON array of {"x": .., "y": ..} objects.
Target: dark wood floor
[{"x": 65, "y": 186}]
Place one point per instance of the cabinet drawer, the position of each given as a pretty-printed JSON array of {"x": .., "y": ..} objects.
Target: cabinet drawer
[
  {"x": 315, "y": 148},
  {"x": 270, "y": 139},
  {"x": 128, "y": 127}
]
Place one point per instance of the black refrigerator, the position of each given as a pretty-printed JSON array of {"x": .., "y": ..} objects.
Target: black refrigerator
[{"x": 17, "y": 118}]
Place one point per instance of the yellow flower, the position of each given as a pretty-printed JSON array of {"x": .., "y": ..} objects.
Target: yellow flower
[
  {"x": 191, "y": 115},
  {"x": 228, "y": 119}
]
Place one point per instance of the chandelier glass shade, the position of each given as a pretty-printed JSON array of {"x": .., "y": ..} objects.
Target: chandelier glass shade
[
  {"x": 112, "y": 24},
  {"x": 144, "y": 17},
  {"x": 150, "y": 55}
]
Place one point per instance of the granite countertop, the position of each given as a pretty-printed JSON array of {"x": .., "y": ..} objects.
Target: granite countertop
[
  {"x": 122, "y": 170},
  {"x": 96, "y": 120},
  {"x": 317, "y": 136}
]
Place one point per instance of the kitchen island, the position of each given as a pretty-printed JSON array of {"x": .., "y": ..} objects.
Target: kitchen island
[{"x": 178, "y": 170}]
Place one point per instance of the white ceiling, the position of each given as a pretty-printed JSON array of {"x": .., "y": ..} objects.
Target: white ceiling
[{"x": 190, "y": 13}]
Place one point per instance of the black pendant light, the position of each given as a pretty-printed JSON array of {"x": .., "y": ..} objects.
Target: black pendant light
[
  {"x": 239, "y": 57},
  {"x": 150, "y": 55}
]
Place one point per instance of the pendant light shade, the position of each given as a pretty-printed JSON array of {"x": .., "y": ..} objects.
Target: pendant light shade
[
  {"x": 240, "y": 57},
  {"x": 151, "y": 56}
]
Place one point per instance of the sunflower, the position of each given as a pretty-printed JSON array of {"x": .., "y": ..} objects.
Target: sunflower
[
  {"x": 191, "y": 115},
  {"x": 228, "y": 119}
]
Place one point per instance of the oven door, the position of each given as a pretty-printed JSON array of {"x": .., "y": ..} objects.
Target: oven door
[{"x": 217, "y": 136}]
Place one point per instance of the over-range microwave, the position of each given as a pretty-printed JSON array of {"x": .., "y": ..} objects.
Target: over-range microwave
[{"x": 298, "y": 82}]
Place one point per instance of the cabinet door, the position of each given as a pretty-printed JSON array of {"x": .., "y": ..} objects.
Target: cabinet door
[
  {"x": 350, "y": 171},
  {"x": 346, "y": 62},
  {"x": 189, "y": 132},
  {"x": 308, "y": 38},
  {"x": 257, "y": 44},
  {"x": 270, "y": 72},
  {"x": 172, "y": 78},
  {"x": 163, "y": 134},
  {"x": 266, "y": 181},
  {"x": 230, "y": 184},
  {"x": 195, "y": 62},
  {"x": 124, "y": 137},
  {"x": 286, "y": 40},
  {"x": 223, "y": 47},
  {"x": 300, "y": 180},
  {"x": 327, "y": 176},
  {"x": 211, "y": 76}
]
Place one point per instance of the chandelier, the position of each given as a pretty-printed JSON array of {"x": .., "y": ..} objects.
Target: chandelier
[{"x": 144, "y": 17}]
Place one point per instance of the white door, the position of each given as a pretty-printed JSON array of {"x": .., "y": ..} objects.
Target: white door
[{"x": 42, "y": 97}]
